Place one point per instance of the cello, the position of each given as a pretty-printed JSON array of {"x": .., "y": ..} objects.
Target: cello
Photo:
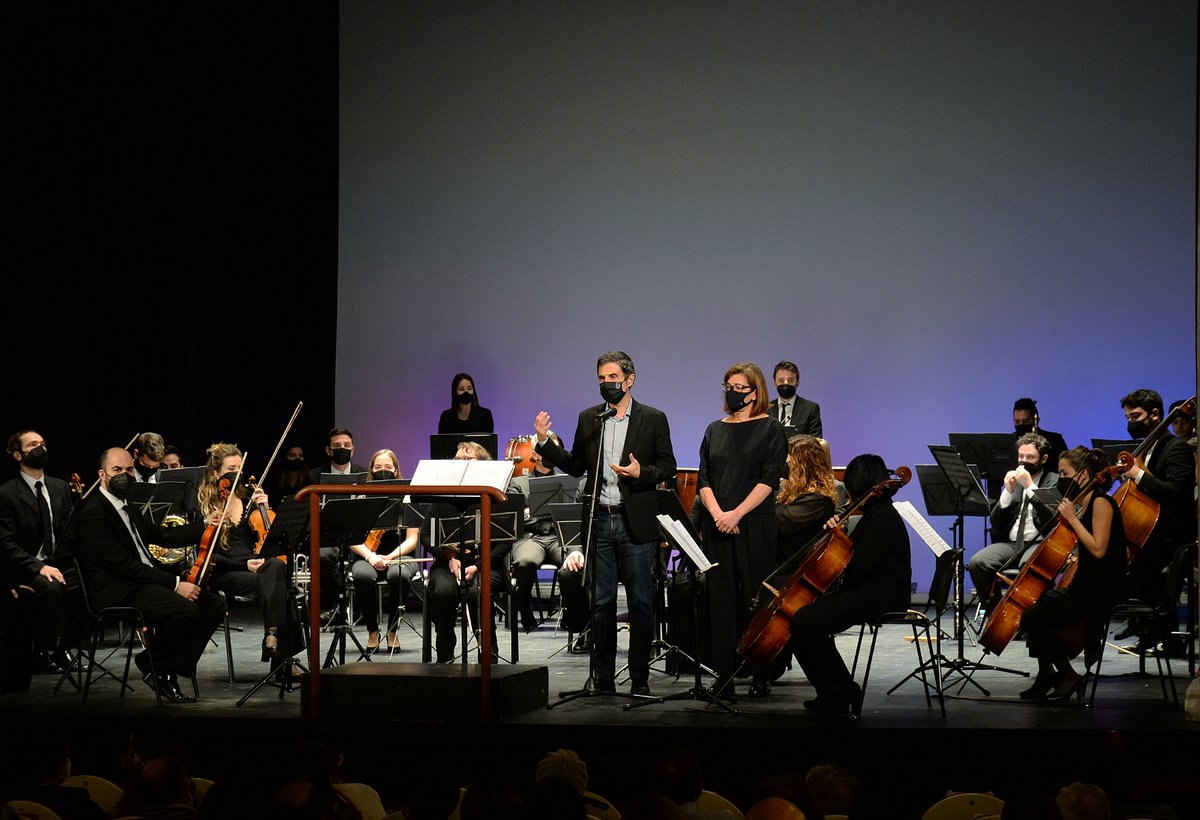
[
  {"x": 824, "y": 560},
  {"x": 198, "y": 572}
]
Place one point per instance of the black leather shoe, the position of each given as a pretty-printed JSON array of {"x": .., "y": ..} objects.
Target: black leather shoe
[
  {"x": 168, "y": 687},
  {"x": 604, "y": 686},
  {"x": 582, "y": 644},
  {"x": 759, "y": 688},
  {"x": 1128, "y": 631},
  {"x": 640, "y": 689}
]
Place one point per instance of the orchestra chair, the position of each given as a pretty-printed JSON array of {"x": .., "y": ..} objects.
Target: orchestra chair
[
  {"x": 1182, "y": 565},
  {"x": 600, "y": 808},
  {"x": 568, "y": 525},
  {"x": 125, "y": 618},
  {"x": 923, "y": 627},
  {"x": 200, "y": 786},
  {"x": 29, "y": 810},
  {"x": 102, "y": 791},
  {"x": 710, "y": 801},
  {"x": 964, "y": 806}
]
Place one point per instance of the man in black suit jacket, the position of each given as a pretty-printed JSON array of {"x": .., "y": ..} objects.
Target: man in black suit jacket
[
  {"x": 1169, "y": 478},
  {"x": 1026, "y": 420},
  {"x": 1033, "y": 470},
  {"x": 636, "y": 455},
  {"x": 118, "y": 571},
  {"x": 30, "y": 554},
  {"x": 796, "y": 413},
  {"x": 340, "y": 451}
]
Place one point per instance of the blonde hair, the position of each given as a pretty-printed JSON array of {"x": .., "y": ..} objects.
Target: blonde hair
[
  {"x": 754, "y": 375},
  {"x": 809, "y": 471},
  {"x": 209, "y": 496},
  {"x": 475, "y": 448},
  {"x": 390, "y": 454}
]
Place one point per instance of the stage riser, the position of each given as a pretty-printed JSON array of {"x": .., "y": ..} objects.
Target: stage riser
[{"x": 428, "y": 692}]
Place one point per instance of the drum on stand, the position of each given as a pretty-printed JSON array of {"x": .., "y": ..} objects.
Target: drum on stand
[{"x": 520, "y": 452}]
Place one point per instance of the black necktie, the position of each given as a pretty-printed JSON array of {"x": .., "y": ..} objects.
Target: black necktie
[
  {"x": 143, "y": 553},
  {"x": 47, "y": 528}
]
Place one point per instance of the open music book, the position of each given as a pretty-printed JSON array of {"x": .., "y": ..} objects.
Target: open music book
[
  {"x": 922, "y": 527},
  {"x": 678, "y": 535},
  {"x": 451, "y": 472}
]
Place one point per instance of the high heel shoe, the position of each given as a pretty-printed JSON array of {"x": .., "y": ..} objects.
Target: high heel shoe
[
  {"x": 270, "y": 647},
  {"x": 1062, "y": 694},
  {"x": 372, "y": 642},
  {"x": 393, "y": 642},
  {"x": 1041, "y": 687}
]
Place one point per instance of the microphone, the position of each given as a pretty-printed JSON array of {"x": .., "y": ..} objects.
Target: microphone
[{"x": 607, "y": 413}]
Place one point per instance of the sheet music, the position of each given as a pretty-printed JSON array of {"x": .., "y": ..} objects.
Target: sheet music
[
  {"x": 922, "y": 527},
  {"x": 683, "y": 540}
]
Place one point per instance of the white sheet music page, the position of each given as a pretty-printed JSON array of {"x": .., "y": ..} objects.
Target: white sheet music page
[
  {"x": 921, "y": 527},
  {"x": 684, "y": 541}
]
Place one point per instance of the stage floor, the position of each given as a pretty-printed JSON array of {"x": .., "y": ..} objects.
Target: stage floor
[{"x": 899, "y": 739}]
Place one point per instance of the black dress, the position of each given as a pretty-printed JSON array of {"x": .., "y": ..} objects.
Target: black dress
[
  {"x": 734, "y": 458},
  {"x": 1097, "y": 586},
  {"x": 479, "y": 421}
]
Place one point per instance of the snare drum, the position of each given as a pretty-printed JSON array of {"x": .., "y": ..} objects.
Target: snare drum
[{"x": 520, "y": 452}]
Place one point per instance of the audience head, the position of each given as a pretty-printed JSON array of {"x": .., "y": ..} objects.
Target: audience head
[
  {"x": 775, "y": 808},
  {"x": 1029, "y": 803},
  {"x": 1082, "y": 801},
  {"x": 491, "y": 798},
  {"x": 678, "y": 776},
  {"x": 831, "y": 787},
  {"x": 652, "y": 807},
  {"x": 564, "y": 766},
  {"x": 162, "y": 781}
]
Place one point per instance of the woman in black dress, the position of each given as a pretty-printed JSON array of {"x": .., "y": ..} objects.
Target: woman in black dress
[
  {"x": 743, "y": 458},
  {"x": 1097, "y": 585},
  {"x": 465, "y": 415}
]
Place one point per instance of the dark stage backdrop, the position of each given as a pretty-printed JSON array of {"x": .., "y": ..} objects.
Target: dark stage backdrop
[{"x": 933, "y": 207}]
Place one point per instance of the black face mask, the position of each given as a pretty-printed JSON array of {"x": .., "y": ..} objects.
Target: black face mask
[
  {"x": 144, "y": 471},
  {"x": 786, "y": 391},
  {"x": 612, "y": 392},
  {"x": 1138, "y": 429},
  {"x": 382, "y": 475},
  {"x": 1065, "y": 486},
  {"x": 296, "y": 465},
  {"x": 341, "y": 456},
  {"x": 465, "y": 398},
  {"x": 119, "y": 485},
  {"x": 1022, "y": 429},
  {"x": 36, "y": 458},
  {"x": 735, "y": 401},
  {"x": 1032, "y": 469}
]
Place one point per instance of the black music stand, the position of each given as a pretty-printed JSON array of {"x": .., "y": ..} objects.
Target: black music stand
[
  {"x": 443, "y": 446},
  {"x": 965, "y": 490},
  {"x": 192, "y": 477},
  {"x": 993, "y": 453},
  {"x": 288, "y": 536},
  {"x": 548, "y": 489},
  {"x": 346, "y": 521},
  {"x": 672, "y": 507},
  {"x": 1113, "y": 447},
  {"x": 157, "y": 501}
]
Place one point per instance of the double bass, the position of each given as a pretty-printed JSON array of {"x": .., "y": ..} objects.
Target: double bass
[{"x": 824, "y": 560}]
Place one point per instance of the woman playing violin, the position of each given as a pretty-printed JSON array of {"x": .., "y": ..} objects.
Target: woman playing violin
[
  {"x": 379, "y": 560},
  {"x": 237, "y": 569},
  {"x": 876, "y": 580},
  {"x": 743, "y": 457},
  {"x": 1097, "y": 584}
]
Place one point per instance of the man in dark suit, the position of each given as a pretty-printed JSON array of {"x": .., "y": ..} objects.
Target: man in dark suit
[
  {"x": 34, "y": 510},
  {"x": 340, "y": 451},
  {"x": 1169, "y": 478},
  {"x": 632, "y": 441},
  {"x": 1017, "y": 518},
  {"x": 118, "y": 571},
  {"x": 796, "y": 413}
]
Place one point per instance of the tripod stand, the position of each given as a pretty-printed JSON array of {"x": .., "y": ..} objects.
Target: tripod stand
[
  {"x": 345, "y": 522},
  {"x": 966, "y": 490},
  {"x": 591, "y": 562}
]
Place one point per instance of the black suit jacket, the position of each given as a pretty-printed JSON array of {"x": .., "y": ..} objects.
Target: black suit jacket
[
  {"x": 109, "y": 556},
  {"x": 21, "y": 525},
  {"x": 648, "y": 438},
  {"x": 806, "y": 416},
  {"x": 1170, "y": 480},
  {"x": 1003, "y": 518},
  {"x": 314, "y": 475}
]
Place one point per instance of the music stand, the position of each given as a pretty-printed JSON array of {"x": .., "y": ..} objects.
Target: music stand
[
  {"x": 1113, "y": 447},
  {"x": 993, "y": 453},
  {"x": 443, "y": 446},
  {"x": 157, "y": 501},
  {"x": 342, "y": 478},
  {"x": 675, "y": 525},
  {"x": 547, "y": 489},
  {"x": 346, "y": 521},
  {"x": 965, "y": 489},
  {"x": 287, "y": 536},
  {"x": 192, "y": 477}
]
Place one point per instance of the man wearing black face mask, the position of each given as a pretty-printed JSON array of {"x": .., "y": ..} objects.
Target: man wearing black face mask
[
  {"x": 1168, "y": 477},
  {"x": 34, "y": 510},
  {"x": 341, "y": 452},
  {"x": 149, "y": 449},
  {"x": 1017, "y": 517},
  {"x": 636, "y": 455},
  {"x": 1025, "y": 420},
  {"x": 119, "y": 571},
  {"x": 796, "y": 413}
]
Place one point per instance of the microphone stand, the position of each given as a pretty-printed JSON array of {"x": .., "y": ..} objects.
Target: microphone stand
[{"x": 589, "y": 567}]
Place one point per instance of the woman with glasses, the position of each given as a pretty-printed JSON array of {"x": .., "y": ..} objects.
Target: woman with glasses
[{"x": 743, "y": 459}]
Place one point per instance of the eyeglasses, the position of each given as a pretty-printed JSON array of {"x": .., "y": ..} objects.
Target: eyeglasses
[{"x": 738, "y": 388}]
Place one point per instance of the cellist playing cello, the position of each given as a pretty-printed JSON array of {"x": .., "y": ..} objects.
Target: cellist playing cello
[{"x": 1096, "y": 524}]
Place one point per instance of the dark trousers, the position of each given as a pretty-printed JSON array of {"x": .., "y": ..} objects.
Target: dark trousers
[
  {"x": 365, "y": 579},
  {"x": 269, "y": 584},
  {"x": 615, "y": 557},
  {"x": 527, "y": 556},
  {"x": 180, "y": 628},
  {"x": 813, "y": 628},
  {"x": 442, "y": 599}
]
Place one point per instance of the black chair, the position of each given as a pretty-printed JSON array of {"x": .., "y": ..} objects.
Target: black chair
[
  {"x": 923, "y": 627},
  {"x": 568, "y": 524},
  {"x": 1177, "y": 572},
  {"x": 131, "y": 626}
]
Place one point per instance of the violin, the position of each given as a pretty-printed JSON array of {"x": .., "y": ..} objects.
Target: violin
[
  {"x": 824, "y": 560},
  {"x": 262, "y": 516},
  {"x": 76, "y": 486},
  {"x": 198, "y": 573}
]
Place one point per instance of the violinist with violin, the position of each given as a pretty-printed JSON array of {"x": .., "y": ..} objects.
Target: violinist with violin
[
  {"x": 119, "y": 571},
  {"x": 237, "y": 567},
  {"x": 378, "y": 559},
  {"x": 1095, "y": 522},
  {"x": 876, "y": 580}
]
